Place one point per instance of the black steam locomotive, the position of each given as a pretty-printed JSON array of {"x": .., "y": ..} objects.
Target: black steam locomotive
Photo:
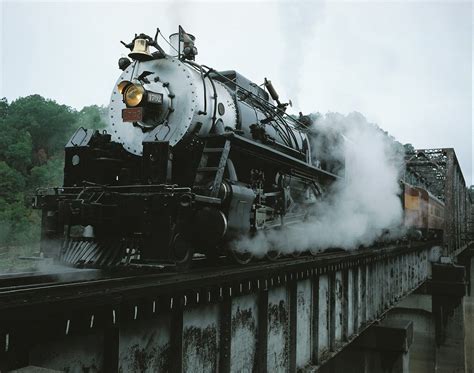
[{"x": 194, "y": 159}]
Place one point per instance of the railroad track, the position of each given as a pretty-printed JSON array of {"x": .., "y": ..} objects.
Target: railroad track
[
  {"x": 103, "y": 288},
  {"x": 25, "y": 280}
]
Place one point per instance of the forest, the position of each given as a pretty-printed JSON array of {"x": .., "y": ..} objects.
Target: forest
[{"x": 33, "y": 132}]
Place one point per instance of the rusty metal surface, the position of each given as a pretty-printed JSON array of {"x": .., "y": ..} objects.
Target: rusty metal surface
[
  {"x": 304, "y": 299},
  {"x": 77, "y": 354},
  {"x": 145, "y": 345},
  {"x": 200, "y": 339},
  {"x": 278, "y": 329},
  {"x": 244, "y": 333},
  {"x": 439, "y": 171},
  {"x": 275, "y": 321}
]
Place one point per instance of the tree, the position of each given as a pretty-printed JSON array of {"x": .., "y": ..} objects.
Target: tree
[
  {"x": 47, "y": 175},
  {"x": 33, "y": 132},
  {"x": 3, "y": 108},
  {"x": 92, "y": 117},
  {"x": 15, "y": 147},
  {"x": 48, "y": 123},
  {"x": 12, "y": 183}
]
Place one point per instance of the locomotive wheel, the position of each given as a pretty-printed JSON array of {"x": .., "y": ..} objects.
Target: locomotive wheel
[
  {"x": 315, "y": 251},
  {"x": 273, "y": 255},
  {"x": 182, "y": 253},
  {"x": 241, "y": 257},
  {"x": 296, "y": 254}
]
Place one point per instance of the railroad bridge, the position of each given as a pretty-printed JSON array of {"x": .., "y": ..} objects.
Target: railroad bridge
[{"x": 379, "y": 309}]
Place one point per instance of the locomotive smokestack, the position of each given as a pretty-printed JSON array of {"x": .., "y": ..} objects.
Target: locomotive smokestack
[{"x": 182, "y": 43}]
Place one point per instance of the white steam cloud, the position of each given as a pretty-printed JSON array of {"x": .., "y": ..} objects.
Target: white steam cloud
[{"x": 357, "y": 209}]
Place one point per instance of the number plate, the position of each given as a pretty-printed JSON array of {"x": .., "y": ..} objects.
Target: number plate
[{"x": 134, "y": 114}]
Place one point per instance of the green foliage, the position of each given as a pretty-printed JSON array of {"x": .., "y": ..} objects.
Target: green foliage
[
  {"x": 48, "y": 123},
  {"x": 19, "y": 224},
  {"x": 12, "y": 183},
  {"x": 47, "y": 175},
  {"x": 92, "y": 117},
  {"x": 409, "y": 148},
  {"x": 33, "y": 132},
  {"x": 16, "y": 147},
  {"x": 3, "y": 108}
]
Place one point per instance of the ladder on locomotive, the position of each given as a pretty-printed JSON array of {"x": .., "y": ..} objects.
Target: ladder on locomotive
[{"x": 212, "y": 165}]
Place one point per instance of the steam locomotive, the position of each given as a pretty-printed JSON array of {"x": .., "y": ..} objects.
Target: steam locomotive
[{"x": 195, "y": 158}]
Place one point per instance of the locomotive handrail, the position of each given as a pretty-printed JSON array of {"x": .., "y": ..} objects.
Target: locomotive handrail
[
  {"x": 299, "y": 166},
  {"x": 163, "y": 187},
  {"x": 301, "y": 126},
  {"x": 265, "y": 104},
  {"x": 200, "y": 67}
]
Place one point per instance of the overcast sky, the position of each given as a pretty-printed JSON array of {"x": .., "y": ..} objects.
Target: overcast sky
[{"x": 405, "y": 65}]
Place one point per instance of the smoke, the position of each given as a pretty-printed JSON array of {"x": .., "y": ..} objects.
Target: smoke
[{"x": 361, "y": 207}]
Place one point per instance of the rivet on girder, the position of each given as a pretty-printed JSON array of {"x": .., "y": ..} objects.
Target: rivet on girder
[
  {"x": 220, "y": 292},
  {"x": 91, "y": 324},
  {"x": 258, "y": 284},
  {"x": 240, "y": 285},
  {"x": 7, "y": 342},
  {"x": 154, "y": 306},
  {"x": 209, "y": 296},
  {"x": 171, "y": 303},
  {"x": 185, "y": 300},
  {"x": 113, "y": 316},
  {"x": 230, "y": 291},
  {"x": 67, "y": 327},
  {"x": 250, "y": 285},
  {"x": 135, "y": 313}
]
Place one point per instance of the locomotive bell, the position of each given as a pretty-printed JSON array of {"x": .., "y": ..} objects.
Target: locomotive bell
[{"x": 140, "y": 51}]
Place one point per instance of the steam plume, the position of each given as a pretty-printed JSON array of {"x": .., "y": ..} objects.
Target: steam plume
[{"x": 358, "y": 208}]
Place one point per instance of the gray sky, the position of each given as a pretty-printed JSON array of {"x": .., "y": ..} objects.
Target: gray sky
[{"x": 405, "y": 65}]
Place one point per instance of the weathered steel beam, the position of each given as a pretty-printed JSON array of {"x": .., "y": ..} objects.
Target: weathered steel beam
[
  {"x": 176, "y": 337},
  {"x": 262, "y": 336},
  {"x": 268, "y": 320}
]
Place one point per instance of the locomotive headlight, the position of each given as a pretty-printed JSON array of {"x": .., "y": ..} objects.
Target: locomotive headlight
[
  {"x": 133, "y": 94},
  {"x": 142, "y": 105}
]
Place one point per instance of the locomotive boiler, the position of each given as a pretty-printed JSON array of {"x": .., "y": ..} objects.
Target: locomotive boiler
[{"x": 194, "y": 159}]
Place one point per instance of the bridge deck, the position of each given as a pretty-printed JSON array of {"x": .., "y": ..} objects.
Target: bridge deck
[{"x": 288, "y": 314}]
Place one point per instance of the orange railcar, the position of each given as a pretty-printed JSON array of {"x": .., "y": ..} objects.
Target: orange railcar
[{"x": 423, "y": 211}]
